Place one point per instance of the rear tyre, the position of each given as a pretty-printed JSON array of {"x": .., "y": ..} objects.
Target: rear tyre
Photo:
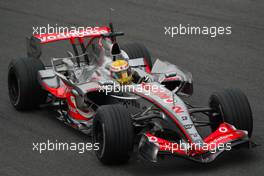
[
  {"x": 232, "y": 106},
  {"x": 137, "y": 50},
  {"x": 25, "y": 93},
  {"x": 113, "y": 131}
]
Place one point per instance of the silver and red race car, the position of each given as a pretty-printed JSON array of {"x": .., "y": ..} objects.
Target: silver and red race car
[{"x": 150, "y": 116}]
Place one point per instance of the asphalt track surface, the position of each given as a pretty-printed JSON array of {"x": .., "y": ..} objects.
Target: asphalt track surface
[{"x": 228, "y": 61}]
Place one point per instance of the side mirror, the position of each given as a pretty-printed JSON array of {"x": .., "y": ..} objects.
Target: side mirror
[
  {"x": 169, "y": 75},
  {"x": 107, "y": 83}
]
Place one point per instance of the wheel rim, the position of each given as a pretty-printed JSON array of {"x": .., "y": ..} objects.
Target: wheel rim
[{"x": 13, "y": 86}]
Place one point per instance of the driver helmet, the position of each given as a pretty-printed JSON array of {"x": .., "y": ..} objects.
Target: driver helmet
[{"x": 121, "y": 71}]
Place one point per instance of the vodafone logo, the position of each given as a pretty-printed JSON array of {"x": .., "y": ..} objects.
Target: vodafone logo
[
  {"x": 169, "y": 100},
  {"x": 223, "y": 129},
  {"x": 152, "y": 139},
  {"x": 222, "y": 138},
  {"x": 72, "y": 34}
]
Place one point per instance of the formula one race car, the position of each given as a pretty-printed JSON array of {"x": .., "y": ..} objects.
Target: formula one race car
[{"x": 126, "y": 101}]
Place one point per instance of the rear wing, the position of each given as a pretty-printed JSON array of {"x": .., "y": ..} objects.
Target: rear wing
[
  {"x": 91, "y": 33},
  {"x": 35, "y": 41}
]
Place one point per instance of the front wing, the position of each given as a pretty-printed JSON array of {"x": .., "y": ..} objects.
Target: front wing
[{"x": 223, "y": 139}]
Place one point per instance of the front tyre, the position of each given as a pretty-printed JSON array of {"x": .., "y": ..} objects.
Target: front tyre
[
  {"x": 231, "y": 106},
  {"x": 113, "y": 131}
]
